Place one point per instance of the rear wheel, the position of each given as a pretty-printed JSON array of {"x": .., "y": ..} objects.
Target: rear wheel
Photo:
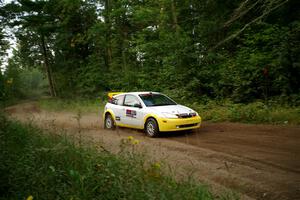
[
  {"x": 109, "y": 122},
  {"x": 151, "y": 128}
]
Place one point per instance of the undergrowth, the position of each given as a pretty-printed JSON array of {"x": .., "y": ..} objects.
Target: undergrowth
[
  {"x": 82, "y": 105},
  {"x": 215, "y": 111},
  {"x": 53, "y": 166},
  {"x": 256, "y": 112}
]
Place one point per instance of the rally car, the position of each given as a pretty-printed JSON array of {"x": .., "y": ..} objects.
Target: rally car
[{"x": 152, "y": 111}]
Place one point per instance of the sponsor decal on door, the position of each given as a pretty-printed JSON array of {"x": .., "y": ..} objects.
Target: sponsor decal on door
[{"x": 131, "y": 113}]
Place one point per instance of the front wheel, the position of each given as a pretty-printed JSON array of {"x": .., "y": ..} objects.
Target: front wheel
[
  {"x": 109, "y": 122},
  {"x": 151, "y": 128}
]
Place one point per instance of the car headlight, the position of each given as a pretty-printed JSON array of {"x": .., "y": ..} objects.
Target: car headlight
[
  {"x": 170, "y": 115},
  {"x": 193, "y": 114}
]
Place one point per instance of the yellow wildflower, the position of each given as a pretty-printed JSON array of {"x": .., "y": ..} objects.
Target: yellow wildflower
[
  {"x": 157, "y": 165},
  {"x": 135, "y": 142},
  {"x": 30, "y": 197},
  {"x": 130, "y": 138}
]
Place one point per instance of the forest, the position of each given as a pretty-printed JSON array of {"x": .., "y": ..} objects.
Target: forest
[
  {"x": 192, "y": 50},
  {"x": 236, "y": 63}
]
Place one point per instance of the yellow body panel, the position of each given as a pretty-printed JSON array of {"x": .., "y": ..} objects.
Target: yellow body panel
[
  {"x": 173, "y": 124},
  {"x": 166, "y": 124}
]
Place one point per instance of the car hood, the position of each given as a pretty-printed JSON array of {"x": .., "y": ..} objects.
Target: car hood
[{"x": 172, "y": 109}]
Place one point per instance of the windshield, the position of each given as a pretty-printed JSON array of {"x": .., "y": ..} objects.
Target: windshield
[{"x": 156, "y": 100}]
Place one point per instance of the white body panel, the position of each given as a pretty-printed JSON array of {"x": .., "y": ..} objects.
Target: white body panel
[{"x": 135, "y": 118}]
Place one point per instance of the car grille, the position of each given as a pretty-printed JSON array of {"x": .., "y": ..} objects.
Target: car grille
[
  {"x": 185, "y": 115},
  {"x": 187, "y": 125}
]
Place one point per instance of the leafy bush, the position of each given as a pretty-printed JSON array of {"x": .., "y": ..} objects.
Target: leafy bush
[
  {"x": 256, "y": 112},
  {"x": 17, "y": 83}
]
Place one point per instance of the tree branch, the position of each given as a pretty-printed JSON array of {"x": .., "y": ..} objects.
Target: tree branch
[
  {"x": 240, "y": 13},
  {"x": 237, "y": 33}
]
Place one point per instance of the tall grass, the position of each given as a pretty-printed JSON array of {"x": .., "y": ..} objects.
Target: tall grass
[
  {"x": 215, "y": 111},
  {"x": 256, "y": 112},
  {"x": 52, "y": 166},
  {"x": 82, "y": 105}
]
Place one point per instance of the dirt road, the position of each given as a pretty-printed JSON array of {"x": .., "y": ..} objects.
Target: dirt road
[{"x": 257, "y": 161}]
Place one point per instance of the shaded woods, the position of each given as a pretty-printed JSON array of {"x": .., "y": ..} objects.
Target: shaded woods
[{"x": 242, "y": 50}]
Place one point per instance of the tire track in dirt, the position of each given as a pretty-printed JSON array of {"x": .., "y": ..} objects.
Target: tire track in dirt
[{"x": 258, "y": 161}]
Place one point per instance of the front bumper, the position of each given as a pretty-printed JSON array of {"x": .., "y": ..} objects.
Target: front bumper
[{"x": 179, "y": 124}]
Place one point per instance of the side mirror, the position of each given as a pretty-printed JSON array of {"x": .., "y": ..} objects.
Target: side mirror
[{"x": 137, "y": 105}]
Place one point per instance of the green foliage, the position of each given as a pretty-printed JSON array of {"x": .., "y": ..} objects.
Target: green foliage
[
  {"x": 52, "y": 166},
  {"x": 271, "y": 112},
  {"x": 239, "y": 50},
  {"x": 4, "y": 43},
  {"x": 262, "y": 66},
  {"x": 79, "y": 105},
  {"x": 17, "y": 83},
  {"x": 256, "y": 112}
]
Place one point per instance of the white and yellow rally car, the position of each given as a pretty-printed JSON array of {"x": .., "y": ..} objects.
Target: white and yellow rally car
[{"x": 151, "y": 111}]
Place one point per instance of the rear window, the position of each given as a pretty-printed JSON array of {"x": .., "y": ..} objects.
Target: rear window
[{"x": 117, "y": 100}]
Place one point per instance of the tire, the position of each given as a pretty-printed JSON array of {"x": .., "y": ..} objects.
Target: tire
[
  {"x": 109, "y": 122},
  {"x": 151, "y": 128}
]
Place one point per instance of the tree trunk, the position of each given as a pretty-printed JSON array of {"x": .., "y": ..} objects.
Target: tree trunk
[
  {"x": 123, "y": 48},
  {"x": 174, "y": 16},
  {"x": 108, "y": 33},
  {"x": 47, "y": 67}
]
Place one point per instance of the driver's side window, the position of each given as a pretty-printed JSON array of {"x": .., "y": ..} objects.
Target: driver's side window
[{"x": 131, "y": 101}]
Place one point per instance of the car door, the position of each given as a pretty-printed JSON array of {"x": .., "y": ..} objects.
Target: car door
[
  {"x": 132, "y": 111},
  {"x": 118, "y": 108}
]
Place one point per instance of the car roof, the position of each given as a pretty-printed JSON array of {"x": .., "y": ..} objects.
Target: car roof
[{"x": 138, "y": 93}]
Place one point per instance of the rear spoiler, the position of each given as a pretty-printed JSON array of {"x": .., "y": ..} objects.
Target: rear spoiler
[{"x": 111, "y": 94}]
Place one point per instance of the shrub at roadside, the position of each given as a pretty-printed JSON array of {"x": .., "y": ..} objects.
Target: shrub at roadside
[
  {"x": 51, "y": 166},
  {"x": 83, "y": 105},
  {"x": 256, "y": 112},
  {"x": 21, "y": 83},
  {"x": 215, "y": 111}
]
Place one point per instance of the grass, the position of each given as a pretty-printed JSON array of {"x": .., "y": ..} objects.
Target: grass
[
  {"x": 82, "y": 105},
  {"x": 215, "y": 111},
  {"x": 53, "y": 166},
  {"x": 256, "y": 112}
]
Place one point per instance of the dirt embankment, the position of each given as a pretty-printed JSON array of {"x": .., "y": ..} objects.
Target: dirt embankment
[{"x": 257, "y": 161}]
